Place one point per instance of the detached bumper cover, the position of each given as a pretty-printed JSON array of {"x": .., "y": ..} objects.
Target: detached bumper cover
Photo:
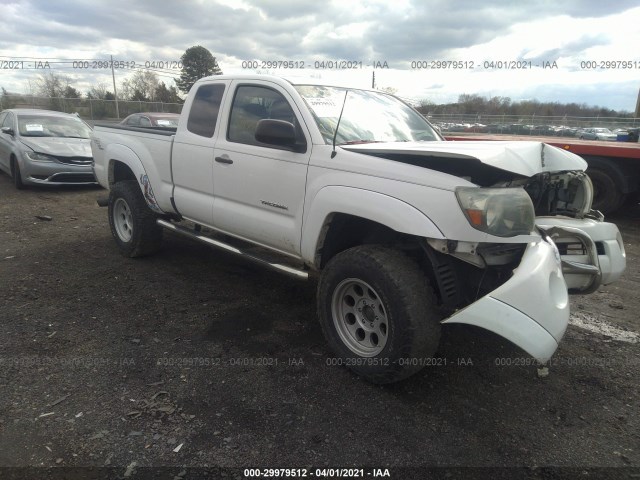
[{"x": 531, "y": 309}]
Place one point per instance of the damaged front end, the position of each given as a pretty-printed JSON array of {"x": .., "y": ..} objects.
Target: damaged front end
[
  {"x": 534, "y": 237},
  {"x": 520, "y": 290},
  {"x": 562, "y": 207},
  {"x": 591, "y": 250}
]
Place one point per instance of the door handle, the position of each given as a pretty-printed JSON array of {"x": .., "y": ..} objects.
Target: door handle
[{"x": 226, "y": 160}]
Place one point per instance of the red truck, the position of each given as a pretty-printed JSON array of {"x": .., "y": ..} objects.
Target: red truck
[{"x": 614, "y": 167}]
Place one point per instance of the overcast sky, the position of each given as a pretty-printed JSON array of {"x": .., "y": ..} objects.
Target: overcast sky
[{"x": 398, "y": 32}]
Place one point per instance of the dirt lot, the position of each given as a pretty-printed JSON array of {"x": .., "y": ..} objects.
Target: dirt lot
[{"x": 193, "y": 358}]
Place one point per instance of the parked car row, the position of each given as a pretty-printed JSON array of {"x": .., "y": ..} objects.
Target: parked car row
[
  {"x": 592, "y": 133},
  {"x": 43, "y": 147},
  {"x": 510, "y": 129}
]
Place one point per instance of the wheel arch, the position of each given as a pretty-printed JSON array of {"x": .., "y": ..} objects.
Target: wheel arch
[
  {"x": 124, "y": 165},
  {"x": 343, "y": 217},
  {"x": 14, "y": 162},
  {"x": 12, "y": 158}
]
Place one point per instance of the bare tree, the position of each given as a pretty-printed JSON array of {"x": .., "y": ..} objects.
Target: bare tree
[
  {"x": 52, "y": 84},
  {"x": 140, "y": 86},
  {"x": 98, "y": 91}
]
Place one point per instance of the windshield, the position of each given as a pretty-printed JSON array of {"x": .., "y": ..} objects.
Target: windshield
[
  {"x": 167, "y": 122},
  {"x": 52, "y": 126},
  {"x": 367, "y": 116}
]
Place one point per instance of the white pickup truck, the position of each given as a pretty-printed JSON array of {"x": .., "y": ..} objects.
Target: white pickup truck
[{"x": 405, "y": 231}]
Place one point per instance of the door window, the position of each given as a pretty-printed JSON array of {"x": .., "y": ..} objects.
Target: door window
[
  {"x": 8, "y": 121},
  {"x": 252, "y": 104}
]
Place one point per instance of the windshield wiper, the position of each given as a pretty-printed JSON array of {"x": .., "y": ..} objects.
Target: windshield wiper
[{"x": 71, "y": 136}]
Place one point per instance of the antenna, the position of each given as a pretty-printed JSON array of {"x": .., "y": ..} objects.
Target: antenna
[{"x": 335, "y": 134}]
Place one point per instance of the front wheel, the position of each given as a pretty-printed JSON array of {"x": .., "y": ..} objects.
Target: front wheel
[
  {"x": 378, "y": 313},
  {"x": 133, "y": 224}
]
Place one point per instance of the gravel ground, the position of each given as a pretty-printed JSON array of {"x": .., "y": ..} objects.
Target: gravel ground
[{"x": 194, "y": 358}]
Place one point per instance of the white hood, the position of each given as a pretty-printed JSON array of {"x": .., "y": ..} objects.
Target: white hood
[
  {"x": 59, "y": 146},
  {"x": 523, "y": 158}
]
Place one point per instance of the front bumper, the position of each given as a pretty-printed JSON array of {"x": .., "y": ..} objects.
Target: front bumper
[
  {"x": 592, "y": 251},
  {"x": 54, "y": 173},
  {"x": 531, "y": 309}
]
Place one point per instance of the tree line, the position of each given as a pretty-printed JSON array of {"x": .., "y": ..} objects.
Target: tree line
[
  {"x": 143, "y": 85},
  {"x": 198, "y": 62},
  {"x": 480, "y": 105}
]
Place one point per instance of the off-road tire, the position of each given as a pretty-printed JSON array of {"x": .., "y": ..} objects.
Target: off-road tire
[
  {"x": 133, "y": 223},
  {"x": 408, "y": 305}
]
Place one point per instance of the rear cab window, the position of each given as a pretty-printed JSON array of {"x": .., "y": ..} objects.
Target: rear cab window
[{"x": 203, "y": 115}]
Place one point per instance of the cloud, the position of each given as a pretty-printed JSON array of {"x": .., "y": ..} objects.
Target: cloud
[{"x": 373, "y": 30}]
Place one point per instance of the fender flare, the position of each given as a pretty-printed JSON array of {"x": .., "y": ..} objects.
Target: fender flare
[
  {"x": 377, "y": 207},
  {"x": 122, "y": 154}
]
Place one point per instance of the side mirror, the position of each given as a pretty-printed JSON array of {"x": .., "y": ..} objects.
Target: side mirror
[
  {"x": 276, "y": 132},
  {"x": 8, "y": 131}
]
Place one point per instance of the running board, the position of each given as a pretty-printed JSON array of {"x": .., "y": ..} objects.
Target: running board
[{"x": 294, "y": 272}]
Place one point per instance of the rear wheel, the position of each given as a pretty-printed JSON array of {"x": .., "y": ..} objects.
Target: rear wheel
[
  {"x": 133, "y": 224},
  {"x": 16, "y": 174},
  {"x": 377, "y": 311}
]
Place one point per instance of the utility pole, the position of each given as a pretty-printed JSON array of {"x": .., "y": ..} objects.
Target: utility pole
[
  {"x": 115, "y": 92},
  {"x": 638, "y": 105},
  {"x": 373, "y": 79}
]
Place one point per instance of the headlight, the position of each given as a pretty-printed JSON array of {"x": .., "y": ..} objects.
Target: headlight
[
  {"x": 39, "y": 157},
  {"x": 587, "y": 192},
  {"x": 503, "y": 212}
]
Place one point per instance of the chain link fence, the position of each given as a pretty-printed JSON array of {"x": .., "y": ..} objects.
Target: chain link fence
[
  {"x": 527, "y": 125},
  {"x": 88, "y": 108},
  {"x": 98, "y": 109}
]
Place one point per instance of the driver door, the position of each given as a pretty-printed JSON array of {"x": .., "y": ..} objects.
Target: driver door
[{"x": 259, "y": 189}]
